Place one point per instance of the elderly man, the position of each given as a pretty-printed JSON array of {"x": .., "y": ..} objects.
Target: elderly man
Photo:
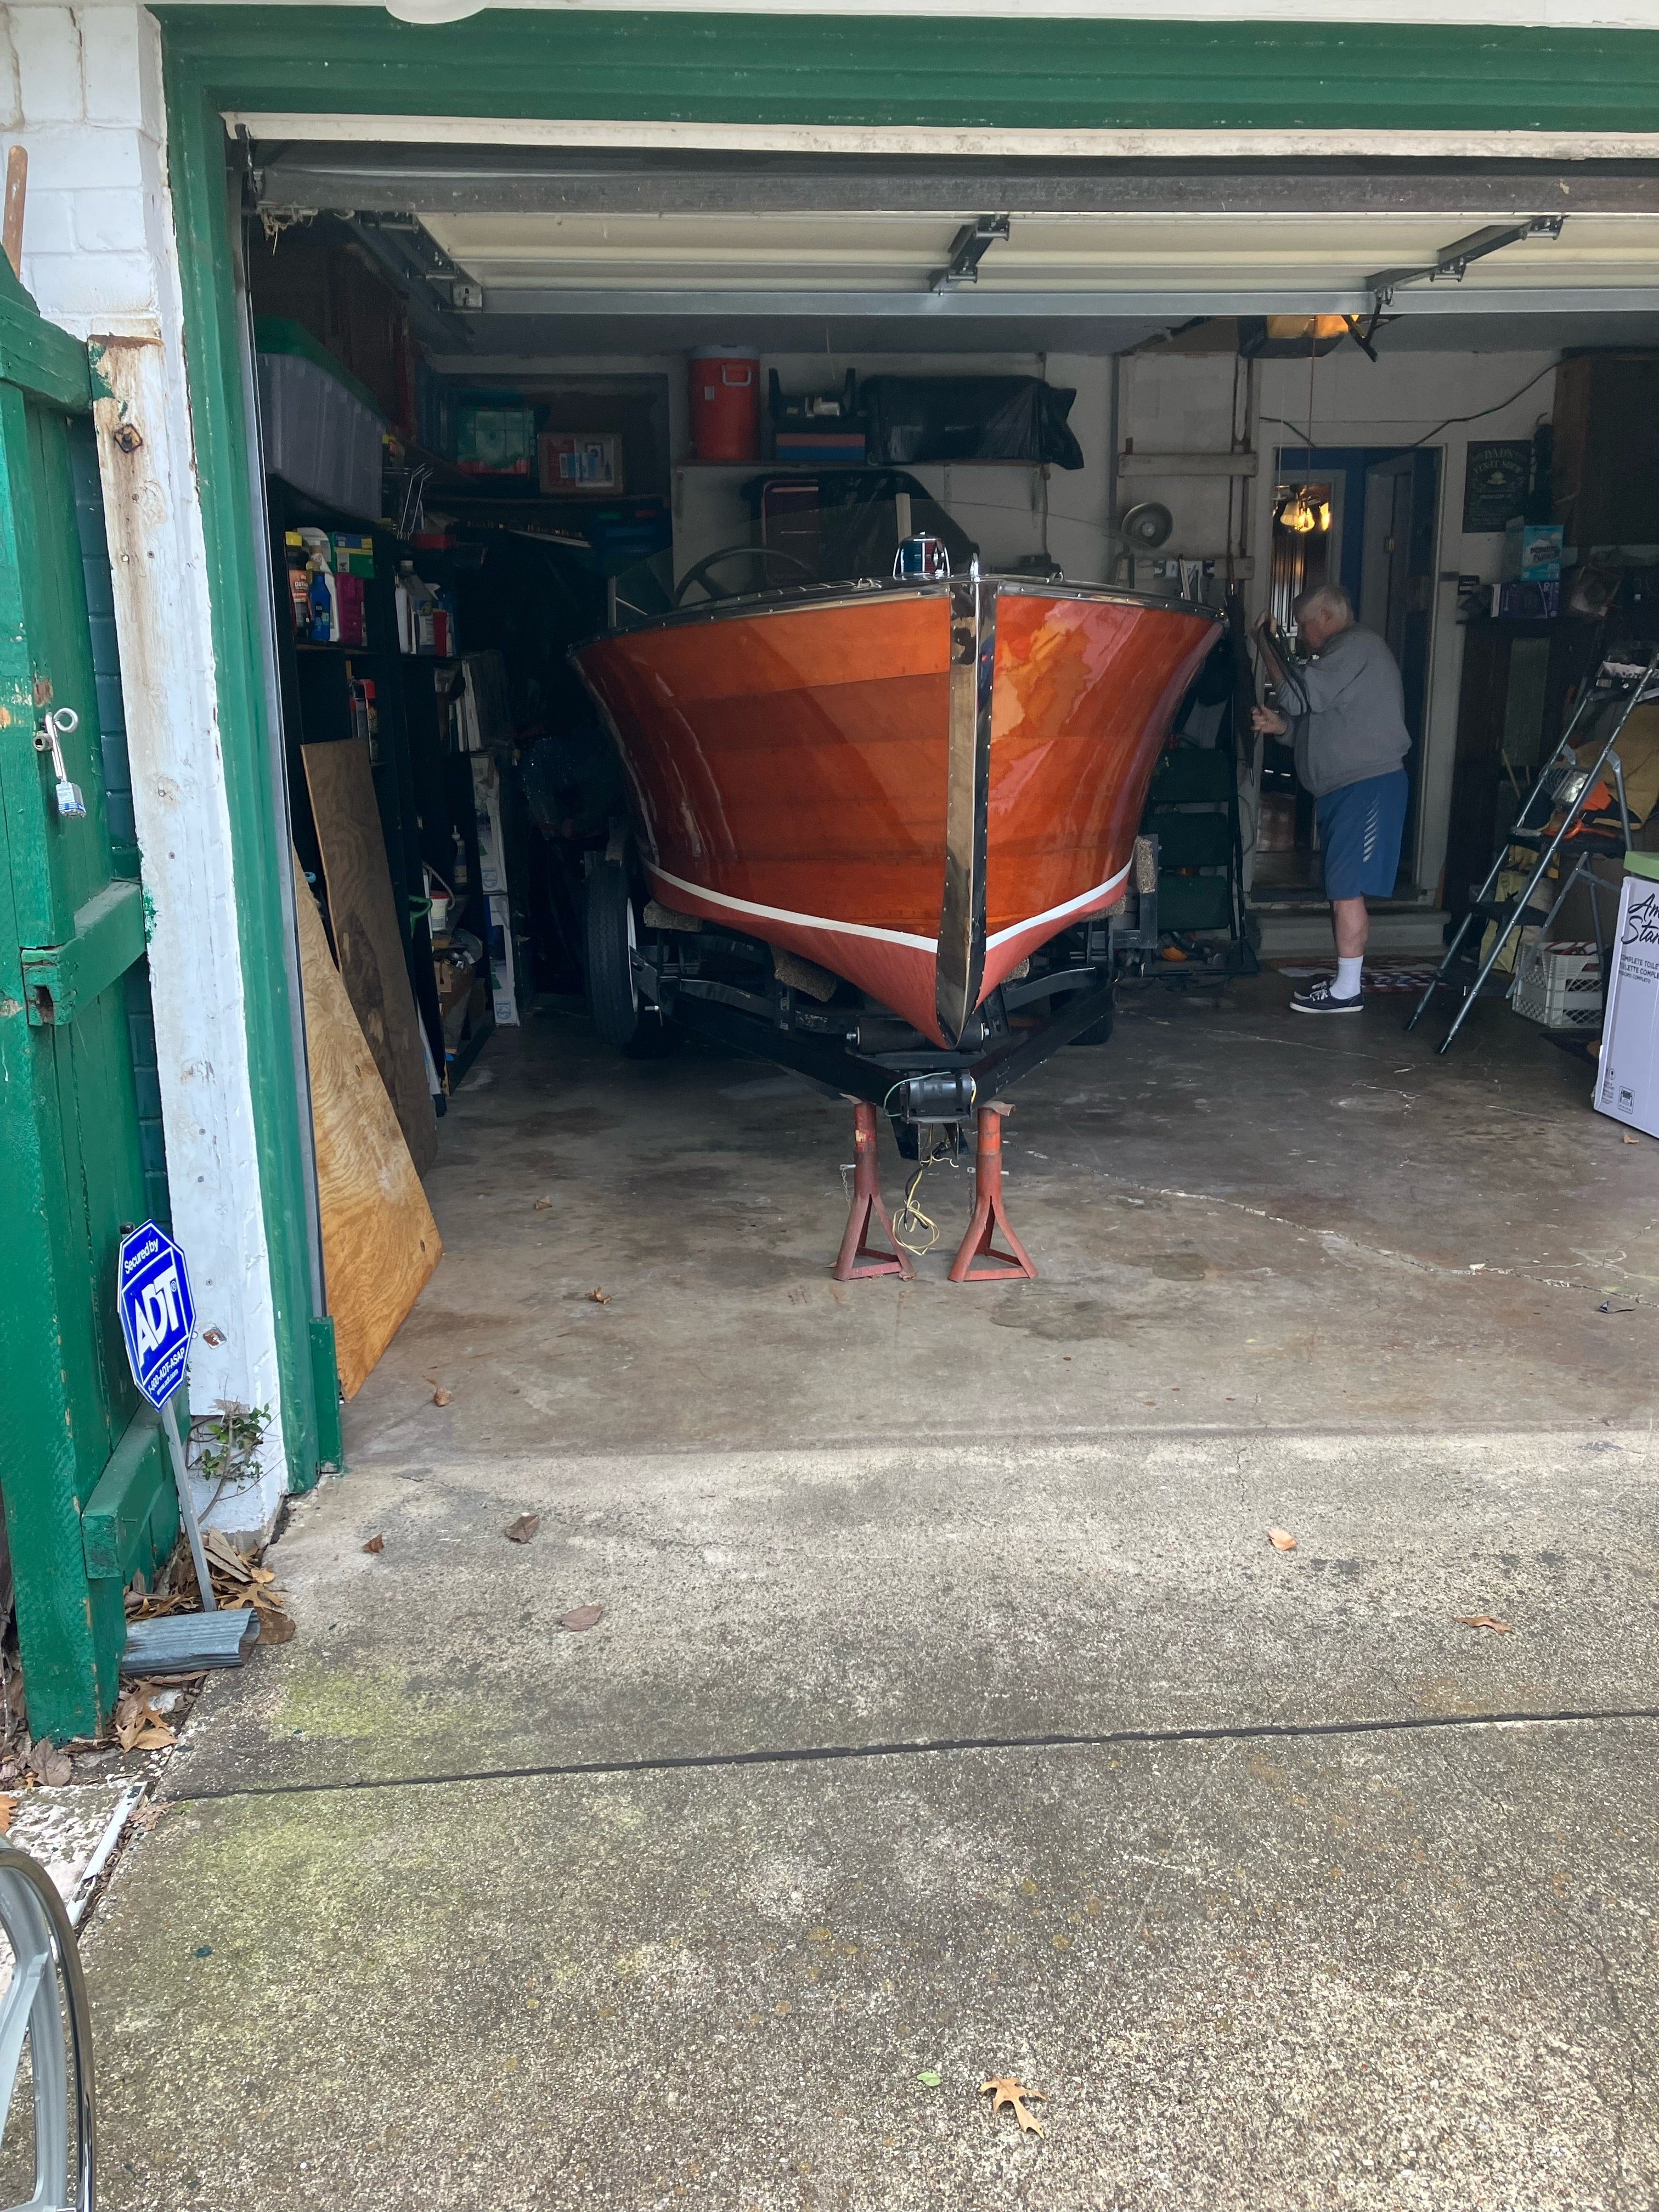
[{"x": 1351, "y": 738}]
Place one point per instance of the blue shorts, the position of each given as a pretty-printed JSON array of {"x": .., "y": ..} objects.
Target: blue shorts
[{"x": 1360, "y": 827}]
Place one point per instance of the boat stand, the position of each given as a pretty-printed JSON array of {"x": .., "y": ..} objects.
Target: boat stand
[
  {"x": 978, "y": 1261},
  {"x": 857, "y": 1257}
]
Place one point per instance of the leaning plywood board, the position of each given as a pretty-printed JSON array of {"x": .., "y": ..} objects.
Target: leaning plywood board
[
  {"x": 367, "y": 934},
  {"x": 379, "y": 1240}
]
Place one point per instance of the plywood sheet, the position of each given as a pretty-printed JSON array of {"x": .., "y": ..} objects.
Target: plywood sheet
[
  {"x": 379, "y": 1240},
  {"x": 367, "y": 934}
]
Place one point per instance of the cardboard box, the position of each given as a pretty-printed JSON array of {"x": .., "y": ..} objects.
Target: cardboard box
[
  {"x": 495, "y": 442},
  {"x": 1532, "y": 552},
  {"x": 1627, "y": 1074},
  {"x": 580, "y": 461}
]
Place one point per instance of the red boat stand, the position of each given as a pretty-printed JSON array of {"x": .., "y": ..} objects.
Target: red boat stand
[
  {"x": 858, "y": 1256},
  {"x": 990, "y": 1214}
]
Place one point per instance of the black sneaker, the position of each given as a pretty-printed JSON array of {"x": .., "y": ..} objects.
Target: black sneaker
[{"x": 1322, "y": 999}]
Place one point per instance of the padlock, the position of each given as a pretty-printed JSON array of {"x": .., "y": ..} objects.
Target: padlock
[{"x": 62, "y": 721}]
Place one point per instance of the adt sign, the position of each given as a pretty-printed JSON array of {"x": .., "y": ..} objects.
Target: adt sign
[{"x": 157, "y": 1313}]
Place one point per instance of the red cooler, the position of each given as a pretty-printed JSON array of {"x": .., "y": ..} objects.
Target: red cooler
[{"x": 725, "y": 404}]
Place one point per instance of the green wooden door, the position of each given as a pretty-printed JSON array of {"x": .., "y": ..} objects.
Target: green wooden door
[{"x": 81, "y": 1467}]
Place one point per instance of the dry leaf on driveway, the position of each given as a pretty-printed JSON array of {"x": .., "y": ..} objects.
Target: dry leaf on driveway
[
  {"x": 375, "y": 1544},
  {"x": 138, "y": 1726},
  {"x": 521, "y": 1530},
  {"x": 1281, "y": 1540},
  {"x": 1483, "y": 1620},
  {"x": 598, "y": 1298},
  {"x": 584, "y": 1616},
  {"x": 1005, "y": 2090}
]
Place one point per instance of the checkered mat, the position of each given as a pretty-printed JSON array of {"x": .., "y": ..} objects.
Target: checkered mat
[{"x": 1376, "y": 979}]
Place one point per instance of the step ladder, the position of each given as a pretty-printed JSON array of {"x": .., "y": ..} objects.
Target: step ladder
[{"x": 1564, "y": 784}]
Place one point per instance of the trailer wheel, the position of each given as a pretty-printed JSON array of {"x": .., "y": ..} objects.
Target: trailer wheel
[
  {"x": 1098, "y": 1032},
  {"x": 623, "y": 1020}
]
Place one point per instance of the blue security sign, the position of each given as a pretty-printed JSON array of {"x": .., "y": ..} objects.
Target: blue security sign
[{"x": 157, "y": 1313}]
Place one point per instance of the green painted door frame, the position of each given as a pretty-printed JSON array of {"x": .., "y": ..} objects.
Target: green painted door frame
[{"x": 1323, "y": 79}]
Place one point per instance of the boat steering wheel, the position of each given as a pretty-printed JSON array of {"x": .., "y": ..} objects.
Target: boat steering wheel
[{"x": 698, "y": 573}]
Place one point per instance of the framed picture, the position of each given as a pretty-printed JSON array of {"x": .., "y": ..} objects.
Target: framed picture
[{"x": 1496, "y": 481}]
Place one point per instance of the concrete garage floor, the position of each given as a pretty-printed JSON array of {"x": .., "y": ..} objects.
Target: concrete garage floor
[{"x": 950, "y": 1712}]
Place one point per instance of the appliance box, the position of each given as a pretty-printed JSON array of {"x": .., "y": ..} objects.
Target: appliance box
[{"x": 1627, "y": 1073}]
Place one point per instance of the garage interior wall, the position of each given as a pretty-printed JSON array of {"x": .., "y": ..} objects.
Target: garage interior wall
[{"x": 1171, "y": 404}]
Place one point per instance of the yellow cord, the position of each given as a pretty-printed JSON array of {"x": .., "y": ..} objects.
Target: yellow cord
[{"x": 910, "y": 1214}]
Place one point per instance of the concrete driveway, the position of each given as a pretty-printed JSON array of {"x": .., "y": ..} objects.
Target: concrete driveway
[{"x": 951, "y": 1714}]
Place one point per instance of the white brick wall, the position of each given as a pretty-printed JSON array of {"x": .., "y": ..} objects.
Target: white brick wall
[{"x": 81, "y": 88}]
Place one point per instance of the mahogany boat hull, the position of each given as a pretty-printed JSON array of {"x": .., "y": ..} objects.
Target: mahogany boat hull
[{"x": 914, "y": 786}]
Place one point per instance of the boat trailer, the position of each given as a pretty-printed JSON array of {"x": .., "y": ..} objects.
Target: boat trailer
[{"x": 773, "y": 1006}]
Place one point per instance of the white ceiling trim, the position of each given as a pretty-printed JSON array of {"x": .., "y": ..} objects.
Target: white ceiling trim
[
  {"x": 932, "y": 139},
  {"x": 1544, "y": 14}
]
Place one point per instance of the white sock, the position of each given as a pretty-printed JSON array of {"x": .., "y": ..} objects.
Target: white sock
[{"x": 1347, "y": 984}]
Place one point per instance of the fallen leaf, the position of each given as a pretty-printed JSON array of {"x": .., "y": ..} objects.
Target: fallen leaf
[
  {"x": 928, "y": 2080},
  {"x": 440, "y": 1396},
  {"x": 275, "y": 1628},
  {"x": 138, "y": 1726},
  {"x": 584, "y": 1616},
  {"x": 1281, "y": 1540},
  {"x": 1482, "y": 1620},
  {"x": 146, "y": 1817},
  {"x": 542, "y": 1204},
  {"x": 598, "y": 1298},
  {"x": 375, "y": 1544},
  {"x": 1005, "y": 2090},
  {"x": 1629, "y": 1139},
  {"x": 224, "y": 1554},
  {"x": 8, "y": 1806},
  {"x": 521, "y": 1530}
]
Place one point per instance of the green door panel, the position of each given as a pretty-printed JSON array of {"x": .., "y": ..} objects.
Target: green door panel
[{"x": 72, "y": 952}]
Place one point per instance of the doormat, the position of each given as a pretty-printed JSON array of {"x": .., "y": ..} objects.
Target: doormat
[{"x": 1375, "y": 979}]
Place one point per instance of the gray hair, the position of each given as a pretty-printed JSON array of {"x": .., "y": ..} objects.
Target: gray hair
[{"x": 1324, "y": 599}]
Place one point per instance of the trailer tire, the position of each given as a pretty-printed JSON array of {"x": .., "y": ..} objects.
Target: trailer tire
[
  {"x": 624, "y": 1021},
  {"x": 1098, "y": 1032},
  {"x": 613, "y": 991}
]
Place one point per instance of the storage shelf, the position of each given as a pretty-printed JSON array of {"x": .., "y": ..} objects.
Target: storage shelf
[{"x": 846, "y": 468}]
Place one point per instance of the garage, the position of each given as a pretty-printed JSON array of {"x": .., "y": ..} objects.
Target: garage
[
  {"x": 1219, "y": 386},
  {"x": 1139, "y": 1694}
]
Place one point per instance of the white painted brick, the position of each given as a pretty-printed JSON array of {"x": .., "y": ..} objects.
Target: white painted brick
[
  {"x": 114, "y": 66},
  {"x": 47, "y": 224},
  {"x": 11, "y": 112},
  {"x": 47, "y": 42},
  {"x": 109, "y": 223},
  {"x": 85, "y": 285},
  {"x": 65, "y": 157}
]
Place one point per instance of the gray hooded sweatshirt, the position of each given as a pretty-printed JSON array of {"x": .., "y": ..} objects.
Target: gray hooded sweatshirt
[{"x": 1349, "y": 713}]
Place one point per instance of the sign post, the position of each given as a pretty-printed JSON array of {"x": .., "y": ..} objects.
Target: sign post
[{"x": 158, "y": 1318}]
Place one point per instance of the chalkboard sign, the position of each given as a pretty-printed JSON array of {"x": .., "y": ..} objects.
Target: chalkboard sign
[{"x": 1495, "y": 481}]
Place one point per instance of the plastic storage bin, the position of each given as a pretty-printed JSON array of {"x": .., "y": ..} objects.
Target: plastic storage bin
[{"x": 320, "y": 433}]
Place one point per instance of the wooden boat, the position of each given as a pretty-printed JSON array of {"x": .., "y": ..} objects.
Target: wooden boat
[{"x": 912, "y": 784}]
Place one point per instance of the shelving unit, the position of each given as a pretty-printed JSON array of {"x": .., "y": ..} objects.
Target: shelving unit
[{"x": 421, "y": 809}]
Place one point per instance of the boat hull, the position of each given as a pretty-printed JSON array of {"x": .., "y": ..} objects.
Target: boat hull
[{"x": 913, "y": 786}]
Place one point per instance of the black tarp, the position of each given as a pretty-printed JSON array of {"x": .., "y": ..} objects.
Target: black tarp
[{"x": 967, "y": 418}]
